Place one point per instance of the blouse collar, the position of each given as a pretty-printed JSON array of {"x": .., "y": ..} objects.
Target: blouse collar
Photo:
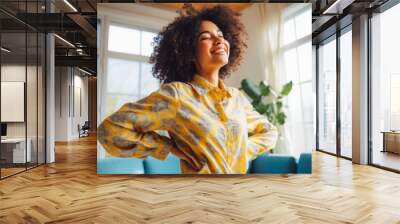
[{"x": 203, "y": 86}]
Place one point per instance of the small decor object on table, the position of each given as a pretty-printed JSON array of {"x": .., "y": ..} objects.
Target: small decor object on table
[
  {"x": 84, "y": 130},
  {"x": 391, "y": 141}
]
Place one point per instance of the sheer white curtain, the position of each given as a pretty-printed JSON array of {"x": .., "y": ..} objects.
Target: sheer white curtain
[
  {"x": 285, "y": 52},
  {"x": 271, "y": 26}
]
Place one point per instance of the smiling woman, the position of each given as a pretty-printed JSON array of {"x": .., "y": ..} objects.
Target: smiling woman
[
  {"x": 213, "y": 129},
  {"x": 191, "y": 35}
]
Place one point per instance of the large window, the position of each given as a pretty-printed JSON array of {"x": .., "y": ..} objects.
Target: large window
[
  {"x": 125, "y": 75},
  {"x": 385, "y": 89},
  {"x": 335, "y": 61},
  {"x": 346, "y": 93},
  {"x": 129, "y": 76},
  {"x": 327, "y": 96}
]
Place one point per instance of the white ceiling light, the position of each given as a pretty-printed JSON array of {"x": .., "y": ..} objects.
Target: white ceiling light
[
  {"x": 65, "y": 41},
  {"x": 70, "y": 5},
  {"x": 337, "y": 7},
  {"x": 86, "y": 72},
  {"x": 5, "y": 50},
  {"x": 79, "y": 51}
]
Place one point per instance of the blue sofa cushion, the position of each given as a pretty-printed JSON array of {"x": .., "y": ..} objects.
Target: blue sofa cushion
[
  {"x": 266, "y": 163},
  {"x": 274, "y": 164},
  {"x": 304, "y": 163},
  {"x": 171, "y": 165},
  {"x": 120, "y": 166}
]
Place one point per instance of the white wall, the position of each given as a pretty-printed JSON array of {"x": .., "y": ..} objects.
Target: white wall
[
  {"x": 252, "y": 66},
  {"x": 80, "y": 84},
  {"x": 61, "y": 103},
  {"x": 68, "y": 82},
  {"x": 256, "y": 65},
  {"x": 17, "y": 73},
  {"x": 14, "y": 73},
  {"x": 33, "y": 127}
]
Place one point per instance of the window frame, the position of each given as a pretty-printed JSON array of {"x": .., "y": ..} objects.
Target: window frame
[
  {"x": 380, "y": 9},
  {"x": 334, "y": 37},
  {"x": 105, "y": 54}
]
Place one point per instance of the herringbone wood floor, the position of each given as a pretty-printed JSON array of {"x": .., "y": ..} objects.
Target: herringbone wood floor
[{"x": 70, "y": 191}]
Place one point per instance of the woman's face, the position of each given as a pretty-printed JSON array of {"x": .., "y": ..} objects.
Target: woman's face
[{"x": 212, "y": 50}]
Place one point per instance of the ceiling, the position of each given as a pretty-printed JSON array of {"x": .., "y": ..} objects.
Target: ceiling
[
  {"x": 329, "y": 16},
  {"x": 74, "y": 22},
  {"x": 19, "y": 54}
]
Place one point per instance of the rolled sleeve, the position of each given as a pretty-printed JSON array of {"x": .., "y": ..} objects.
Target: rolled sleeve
[
  {"x": 131, "y": 131},
  {"x": 263, "y": 134}
]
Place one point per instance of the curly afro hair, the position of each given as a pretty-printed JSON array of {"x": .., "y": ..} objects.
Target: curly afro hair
[{"x": 174, "y": 46}]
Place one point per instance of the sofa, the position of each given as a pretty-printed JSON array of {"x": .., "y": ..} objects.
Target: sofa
[{"x": 265, "y": 164}]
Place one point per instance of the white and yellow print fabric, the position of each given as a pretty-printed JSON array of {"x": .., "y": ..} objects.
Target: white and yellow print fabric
[{"x": 213, "y": 130}]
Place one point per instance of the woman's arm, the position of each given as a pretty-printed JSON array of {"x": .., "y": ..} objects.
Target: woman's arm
[
  {"x": 263, "y": 134},
  {"x": 130, "y": 132}
]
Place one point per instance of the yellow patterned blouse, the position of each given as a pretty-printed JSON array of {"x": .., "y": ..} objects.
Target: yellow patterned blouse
[{"x": 213, "y": 130}]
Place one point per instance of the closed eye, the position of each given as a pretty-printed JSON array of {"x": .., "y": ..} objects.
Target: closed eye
[{"x": 205, "y": 36}]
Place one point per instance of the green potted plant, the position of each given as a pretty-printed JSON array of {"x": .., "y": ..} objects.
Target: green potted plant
[{"x": 267, "y": 101}]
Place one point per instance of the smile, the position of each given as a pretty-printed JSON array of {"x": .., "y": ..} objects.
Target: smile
[{"x": 219, "y": 51}]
